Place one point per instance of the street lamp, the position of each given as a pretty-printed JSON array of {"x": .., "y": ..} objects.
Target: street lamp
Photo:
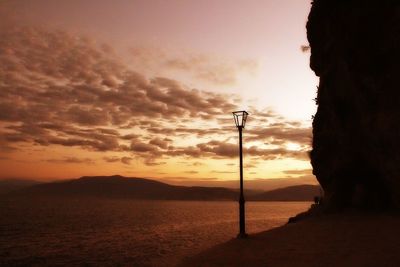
[{"x": 240, "y": 121}]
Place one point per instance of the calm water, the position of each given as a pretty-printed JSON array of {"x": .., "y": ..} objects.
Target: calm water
[{"x": 88, "y": 232}]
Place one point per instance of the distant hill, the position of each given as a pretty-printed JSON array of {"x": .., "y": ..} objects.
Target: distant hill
[
  {"x": 12, "y": 185},
  {"x": 291, "y": 193},
  {"x": 138, "y": 188},
  {"x": 127, "y": 187}
]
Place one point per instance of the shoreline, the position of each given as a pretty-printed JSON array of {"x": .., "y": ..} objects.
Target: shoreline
[{"x": 326, "y": 240}]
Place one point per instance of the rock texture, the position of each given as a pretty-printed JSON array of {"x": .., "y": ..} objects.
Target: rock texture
[{"x": 355, "y": 50}]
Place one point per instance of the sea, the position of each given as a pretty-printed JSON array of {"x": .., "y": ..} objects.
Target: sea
[{"x": 110, "y": 232}]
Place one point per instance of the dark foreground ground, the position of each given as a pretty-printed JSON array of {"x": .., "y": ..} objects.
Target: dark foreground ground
[{"x": 331, "y": 240}]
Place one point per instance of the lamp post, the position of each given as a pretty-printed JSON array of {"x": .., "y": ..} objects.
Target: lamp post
[{"x": 240, "y": 121}]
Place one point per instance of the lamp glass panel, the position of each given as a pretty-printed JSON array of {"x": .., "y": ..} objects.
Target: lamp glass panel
[
  {"x": 240, "y": 118},
  {"x": 244, "y": 118}
]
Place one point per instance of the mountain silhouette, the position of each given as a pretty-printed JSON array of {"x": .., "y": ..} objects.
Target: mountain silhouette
[
  {"x": 139, "y": 188},
  {"x": 290, "y": 193},
  {"x": 11, "y": 185},
  {"x": 126, "y": 187}
]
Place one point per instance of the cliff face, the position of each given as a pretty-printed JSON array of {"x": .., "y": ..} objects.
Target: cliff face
[{"x": 356, "y": 131}]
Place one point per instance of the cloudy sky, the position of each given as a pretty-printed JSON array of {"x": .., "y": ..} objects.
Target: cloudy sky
[{"x": 146, "y": 88}]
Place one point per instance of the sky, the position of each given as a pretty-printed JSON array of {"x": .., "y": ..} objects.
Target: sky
[{"x": 145, "y": 88}]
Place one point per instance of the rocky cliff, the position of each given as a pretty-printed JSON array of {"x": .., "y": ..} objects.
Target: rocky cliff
[{"x": 355, "y": 50}]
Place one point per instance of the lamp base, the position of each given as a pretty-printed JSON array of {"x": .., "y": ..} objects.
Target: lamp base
[{"x": 242, "y": 235}]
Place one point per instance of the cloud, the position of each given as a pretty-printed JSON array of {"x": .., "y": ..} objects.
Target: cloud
[
  {"x": 72, "y": 160},
  {"x": 212, "y": 69},
  {"x": 143, "y": 147},
  {"x": 273, "y": 129},
  {"x": 223, "y": 150},
  {"x": 222, "y": 172},
  {"x": 298, "y": 172},
  {"x": 126, "y": 160},
  {"x": 46, "y": 134},
  {"x": 153, "y": 162},
  {"x": 57, "y": 88},
  {"x": 87, "y": 115},
  {"x": 203, "y": 68},
  {"x": 111, "y": 159},
  {"x": 5, "y": 144},
  {"x": 280, "y": 134},
  {"x": 191, "y": 172},
  {"x": 161, "y": 143},
  {"x": 218, "y": 148},
  {"x": 278, "y": 153}
]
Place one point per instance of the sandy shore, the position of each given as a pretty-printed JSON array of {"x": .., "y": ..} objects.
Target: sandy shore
[{"x": 330, "y": 240}]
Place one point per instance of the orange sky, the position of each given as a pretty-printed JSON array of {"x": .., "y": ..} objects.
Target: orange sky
[{"x": 146, "y": 88}]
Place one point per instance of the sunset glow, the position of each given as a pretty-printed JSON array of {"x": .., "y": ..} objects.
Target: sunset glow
[{"x": 146, "y": 89}]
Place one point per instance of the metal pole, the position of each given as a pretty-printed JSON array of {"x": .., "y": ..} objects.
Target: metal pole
[{"x": 242, "y": 225}]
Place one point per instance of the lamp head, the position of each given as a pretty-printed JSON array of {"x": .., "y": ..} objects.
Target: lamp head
[{"x": 240, "y": 118}]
